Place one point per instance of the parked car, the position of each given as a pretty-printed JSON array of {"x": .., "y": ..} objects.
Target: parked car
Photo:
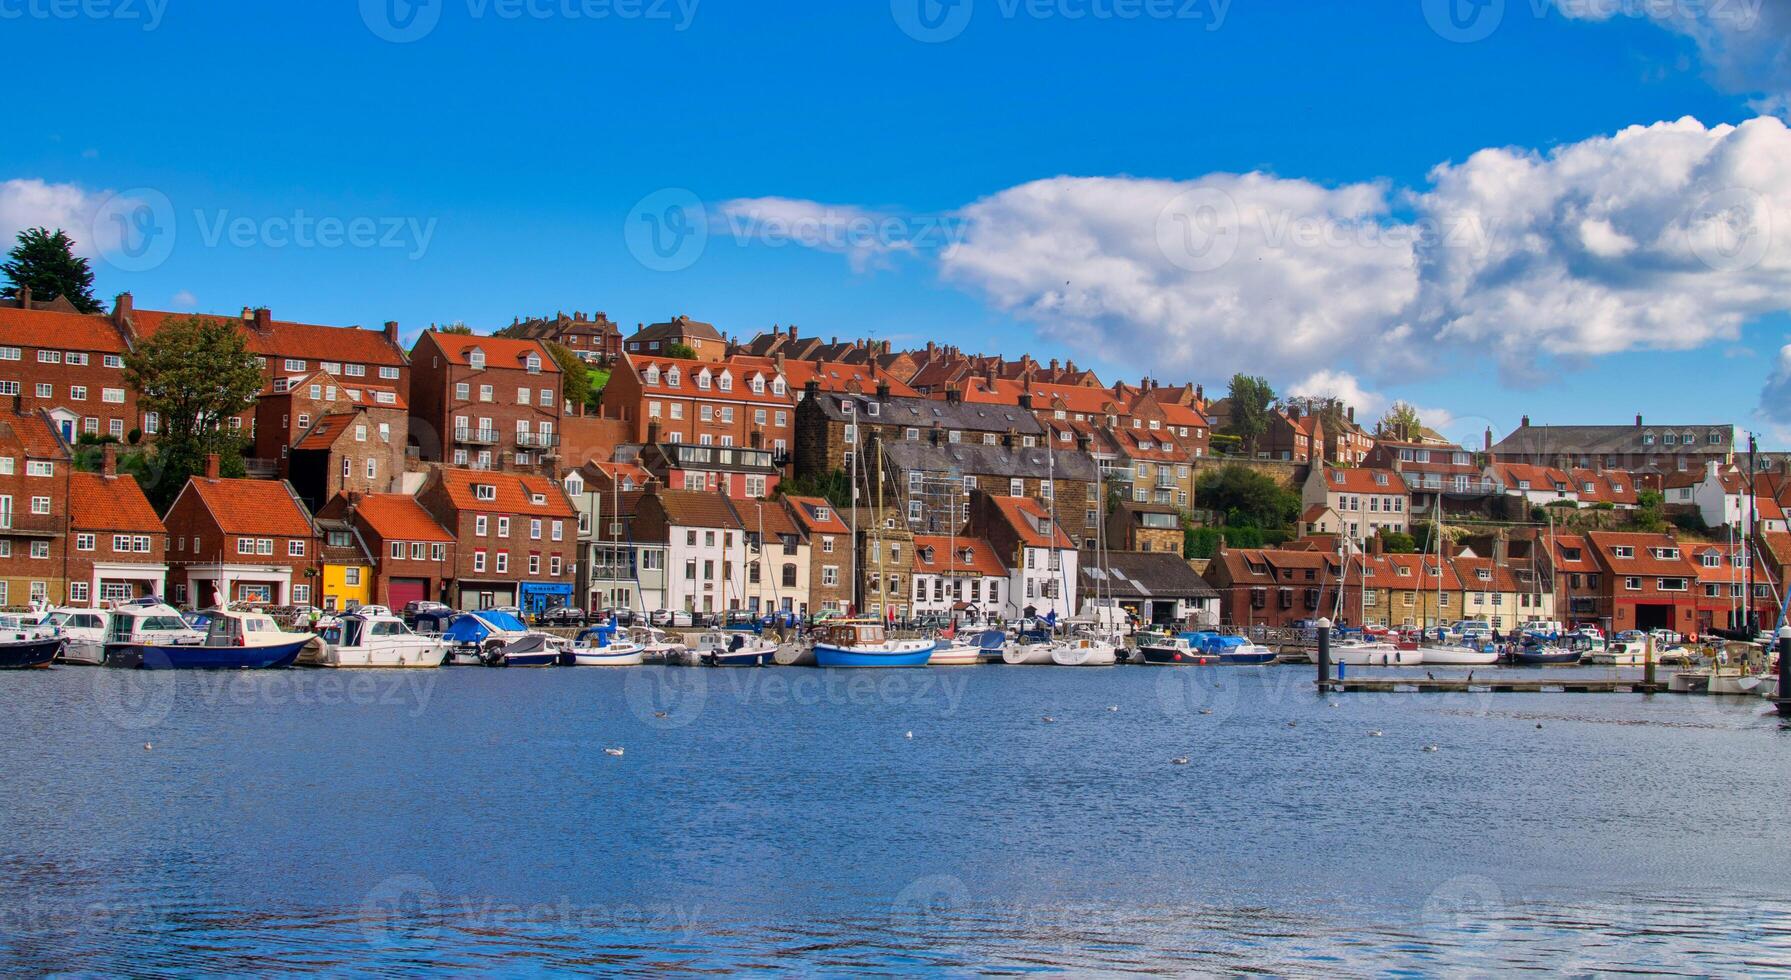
[
  {"x": 417, "y": 607},
  {"x": 682, "y": 619},
  {"x": 562, "y": 616}
]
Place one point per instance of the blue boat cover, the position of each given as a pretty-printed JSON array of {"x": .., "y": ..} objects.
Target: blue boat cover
[
  {"x": 991, "y": 640},
  {"x": 475, "y": 627}
]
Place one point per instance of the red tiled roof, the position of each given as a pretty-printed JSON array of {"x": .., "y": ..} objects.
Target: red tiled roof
[
  {"x": 500, "y": 352},
  {"x": 113, "y": 503},
  {"x": 694, "y": 508},
  {"x": 948, "y": 556},
  {"x": 64, "y": 331},
  {"x": 347, "y": 388},
  {"x": 325, "y": 431},
  {"x": 1585, "y": 563},
  {"x": 832, "y": 375},
  {"x": 288, "y": 339},
  {"x": 808, "y": 507},
  {"x": 1363, "y": 480},
  {"x": 251, "y": 507},
  {"x": 1022, "y": 513},
  {"x": 398, "y": 517},
  {"x": 740, "y": 369},
  {"x": 1644, "y": 562},
  {"x": 1314, "y": 513},
  {"x": 33, "y": 433},
  {"x": 515, "y": 493}
]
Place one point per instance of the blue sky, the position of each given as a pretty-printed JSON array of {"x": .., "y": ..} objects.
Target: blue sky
[{"x": 501, "y": 161}]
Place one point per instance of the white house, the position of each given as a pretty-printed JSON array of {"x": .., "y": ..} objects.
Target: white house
[
  {"x": 705, "y": 548},
  {"x": 1366, "y": 501},
  {"x": 1039, "y": 556},
  {"x": 777, "y": 558},
  {"x": 1721, "y": 499},
  {"x": 958, "y": 574},
  {"x": 1539, "y": 486}
]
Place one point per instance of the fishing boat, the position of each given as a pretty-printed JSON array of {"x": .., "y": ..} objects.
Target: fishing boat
[
  {"x": 372, "y": 637},
  {"x": 865, "y": 643},
  {"x": 719, "y": 648},
  {"x": 599, "y": 646},
  {"x": 233, "y": 641},
  {"x": 1085, "y": 648}
]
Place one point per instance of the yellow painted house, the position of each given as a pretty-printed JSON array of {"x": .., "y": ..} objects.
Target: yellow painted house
[{"x": 347, "y": 571}]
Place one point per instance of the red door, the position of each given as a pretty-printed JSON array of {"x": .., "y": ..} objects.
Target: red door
[{"x": 406, "y": 590}]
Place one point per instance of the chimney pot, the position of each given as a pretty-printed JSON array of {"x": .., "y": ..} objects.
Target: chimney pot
[{"x": 1525, "y": 423}]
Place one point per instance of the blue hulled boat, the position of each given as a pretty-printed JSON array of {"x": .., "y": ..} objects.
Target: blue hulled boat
[
  {"x": 233, "y": 641},
  {"x": 1229, "y": 651},
  {"x": 864, "y": 643}
]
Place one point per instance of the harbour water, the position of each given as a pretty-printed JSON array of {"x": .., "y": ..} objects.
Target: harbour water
[{"x": 784, "y": 820}]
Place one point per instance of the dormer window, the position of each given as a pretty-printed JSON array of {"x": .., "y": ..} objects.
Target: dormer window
[
  {"x": 533, "y": 363},
  {"x": 672, "y": 378},
  {"x": 1623, "y": 551},
  {"x": 475, "y": 359},
  {"x": 725, "y": 382},
  {"x": 758, "y": 385},
  {"x": 846, "y": 406},
  {"x": 1484, "y": 574},
  {"x": 537, "y": 499},
  {"x": 1667, "y": 554},
  {"x": 821, "y": 514},
  {"x": 1647, "y": 438},
  {"x": 871, "y": 408},
  {"x": 484, "y": 491},
  {"x": 1380, "y": 479},
  {"x": 702, "y": 380},
  {"x": 652, "y": 374}
]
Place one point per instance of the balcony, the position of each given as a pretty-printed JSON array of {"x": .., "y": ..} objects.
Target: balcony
[
  {"x": 476, "y": 437},
  {"x": 537, "y": 440},
  {"x": 15, "y": 524}
]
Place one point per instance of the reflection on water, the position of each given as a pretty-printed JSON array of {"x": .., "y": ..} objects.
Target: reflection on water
[{"x": 782, "y": 820}]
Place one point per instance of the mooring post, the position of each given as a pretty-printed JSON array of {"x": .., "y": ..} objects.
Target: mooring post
[
  {"x": 1324, "y": 655},
  {"x": 1648, "y": 662}
]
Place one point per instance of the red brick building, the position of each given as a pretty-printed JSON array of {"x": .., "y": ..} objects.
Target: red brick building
[
  {"x": 593, "y": 338},
  {"x": 1276, "y": 588},
  {"x": 485, "y": 402},
  {"x": 119, "y": 547},
  {"x": 830, "y": 554},
  {"x": 413, "y": 555},
  {"x": 702, "y": 338},
  {"x": 249, "y": 540},
  {"x": 34, "y": 473},
  {"x": 68, "y": 364},
  {"x": 1650, "y": 582},
  {"x": 291, "y": 405},
  {"x": 516, "y": 535},
  {"x": 347, "y": 452},
  {"x": 744, "y": 402}
]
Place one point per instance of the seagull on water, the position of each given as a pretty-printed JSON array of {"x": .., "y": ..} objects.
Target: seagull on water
[
  {"x": 909, "y": 735},
  {"x": 1430, "y": 748},
  {"x": 1049, "y": 719},
  {"x": 1113, "y": 707},
  {"x": 1206, "y": 711},
  {"x": 1179, "y": 761},
  {"x": 1375, "y": 734},
  {"x": 612, "y": 751}
]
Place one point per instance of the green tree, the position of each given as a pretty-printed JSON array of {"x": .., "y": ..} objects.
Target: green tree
[
  {"x": 1251, "y": 398},
  {"x": 457, "y": 327},
  {"x": 195, "y": 374},
  {"x": 1402, "y": 422},
  {"x": 575, "y": 376},
  {"x": 1649, "y": 514},
  {"x": 1398, "y": 543},
  {"x": 684, "y": 351},
  {"x": 45, "y": 261},
  {"x": 1247, "y": 498},
  {"x": 831, "y": 486}
]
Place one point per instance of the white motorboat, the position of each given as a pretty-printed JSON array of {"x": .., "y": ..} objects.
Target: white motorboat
[
  {"x": 1085, "y": 649},
  {"x": 84, "y": 633},
  {"x": 144, "y": 621},
  {"x": 720, "y": 648},
  {"x": 599, "y": 647},
  {"x": 795, "y": 653},
  {"x": 1022, "y": 652},
  {"x": 1452, "y": 655},
  {"x": 955, "y": 653},
  {"x": 656, "y": 646},
  {"x": 372, "y": 637},
  {"x": 1356, "y": 653}
]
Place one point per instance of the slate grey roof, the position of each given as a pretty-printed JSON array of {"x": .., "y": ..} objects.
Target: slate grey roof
[
  {"x": 1596, "y": 440},
  {"x": 975, "y": 459},
  {"x": 924, "y": 413},
  {"x": 1143, "y": 575}
]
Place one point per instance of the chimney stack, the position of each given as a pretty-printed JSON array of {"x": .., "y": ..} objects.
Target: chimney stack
[
  {"x": 1525, "y": 423},
  {"x": 1376, "y": 546},
  {"x": 109, "y": 459},
  {"x": 392, "y": 332},
  {"x": 264, "y": 318},
  {"x": 1638, "y": 420},
  {"x": 24, "y": 297},
  {"x": 121, "y": 309},
  {"x": 211, "y": 466},
  {"x": 883, "y": 389},
  {"x": 652, "y": 433}
]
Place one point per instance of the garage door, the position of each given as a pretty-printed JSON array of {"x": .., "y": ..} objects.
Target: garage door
[{"x": 406, "y": 590}]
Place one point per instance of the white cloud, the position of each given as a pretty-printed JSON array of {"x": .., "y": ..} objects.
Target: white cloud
[
  {"x": 1745, "y": 44},
  {"x": 185, "y": 300},
  {"x": 1370, "y": 405},
  {"x": 32, "y": 203},
  {"x": 866, "y": 238}
]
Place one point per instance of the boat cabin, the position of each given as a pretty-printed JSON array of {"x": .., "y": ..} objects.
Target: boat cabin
[
  {"x": 235, "y": 629},
  {"x": 154, "y": 622},
  {"x": 852, "y": 634},
  {"x": 357, "y": 629}
]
